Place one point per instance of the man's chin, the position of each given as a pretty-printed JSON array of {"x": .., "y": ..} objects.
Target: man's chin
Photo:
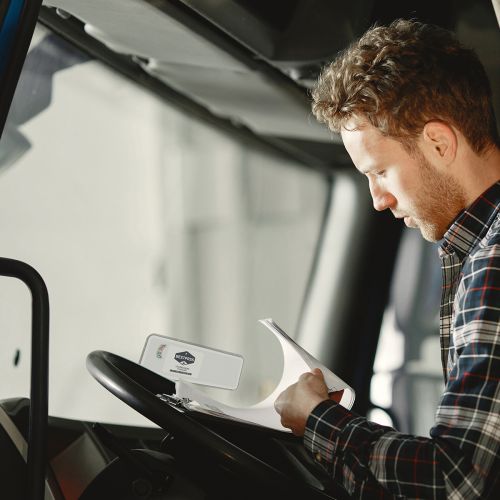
[
  {"x": 410, "y": 222},
  {"x": 431, "y": 232}
]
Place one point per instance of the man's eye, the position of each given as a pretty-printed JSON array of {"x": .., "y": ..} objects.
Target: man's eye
[{"x": 380, "y": 173}]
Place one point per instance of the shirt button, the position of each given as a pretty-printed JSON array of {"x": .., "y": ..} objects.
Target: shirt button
[{"x": 318, "y": 457}]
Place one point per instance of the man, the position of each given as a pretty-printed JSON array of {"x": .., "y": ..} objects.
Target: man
[{"x": 414, "y": 111}]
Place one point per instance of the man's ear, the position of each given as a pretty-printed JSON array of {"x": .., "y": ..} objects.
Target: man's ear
[{"x": 440, "y": 141}]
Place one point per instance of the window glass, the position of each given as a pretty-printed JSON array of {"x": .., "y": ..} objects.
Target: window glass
[{"x": 142, "y": 220}]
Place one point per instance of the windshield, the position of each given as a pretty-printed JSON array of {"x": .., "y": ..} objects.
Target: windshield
[{"x": 143, "y": 220}]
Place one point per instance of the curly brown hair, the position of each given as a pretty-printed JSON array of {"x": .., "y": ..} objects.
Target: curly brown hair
[{"x": 398, "y": 77}]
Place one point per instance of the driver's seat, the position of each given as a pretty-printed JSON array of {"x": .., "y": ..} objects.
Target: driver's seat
[{"x": 14, "y": 422}]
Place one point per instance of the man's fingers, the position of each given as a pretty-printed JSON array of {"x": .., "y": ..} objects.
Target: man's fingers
[
  {"x": 318, "y": 373},
  {"x": 278, "y": 404},
  {"x": 315, "y": 372}
]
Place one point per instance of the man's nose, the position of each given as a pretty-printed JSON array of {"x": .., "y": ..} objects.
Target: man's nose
[{"x": 382, "y": 199}]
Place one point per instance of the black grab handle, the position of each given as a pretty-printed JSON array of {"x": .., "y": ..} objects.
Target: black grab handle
[{"x": 37, "y": 440}]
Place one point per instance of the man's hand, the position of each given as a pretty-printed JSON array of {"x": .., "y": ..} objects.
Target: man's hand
[{"x": 296, "y": 403}]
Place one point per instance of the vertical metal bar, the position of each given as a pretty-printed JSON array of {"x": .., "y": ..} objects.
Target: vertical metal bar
[{"x": 37, "y": 440}]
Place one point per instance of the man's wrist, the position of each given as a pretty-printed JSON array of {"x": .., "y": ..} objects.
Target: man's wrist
[
  {"x": 312, "y": 431},
  {"x": 318, "y": 410},
  {"x": 313, "y": 405}
]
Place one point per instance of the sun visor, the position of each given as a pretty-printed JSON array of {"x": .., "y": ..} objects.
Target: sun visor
[
  {"x": 245, "y": 96},
  {"x": 197, "y": 68}
]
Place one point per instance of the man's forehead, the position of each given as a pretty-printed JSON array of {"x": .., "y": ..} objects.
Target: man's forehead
[
  {"x": 360, "y": 140},
  {"x": 367, "y": 147},
  {"x": 360, "y": 130}
]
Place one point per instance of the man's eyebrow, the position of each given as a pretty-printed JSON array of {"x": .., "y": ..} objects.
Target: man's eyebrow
[{"x": 369, "y": 168}]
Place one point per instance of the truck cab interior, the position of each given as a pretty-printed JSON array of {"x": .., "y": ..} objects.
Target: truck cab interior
[{"x": 161, "y": 172}]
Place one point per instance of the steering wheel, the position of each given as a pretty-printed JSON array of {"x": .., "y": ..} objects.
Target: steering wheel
[{"x": 138, "y": 387}]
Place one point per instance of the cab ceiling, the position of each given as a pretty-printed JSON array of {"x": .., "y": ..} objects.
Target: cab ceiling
[
  {"x": 252, "y": 62},
  {"x": 189, "y": 63}
]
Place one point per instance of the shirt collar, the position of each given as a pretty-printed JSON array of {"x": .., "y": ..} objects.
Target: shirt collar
[{"x": 472, "y": 224}]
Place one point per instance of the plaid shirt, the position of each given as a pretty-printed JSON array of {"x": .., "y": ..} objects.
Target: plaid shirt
[{"x": 461, "y": 458}]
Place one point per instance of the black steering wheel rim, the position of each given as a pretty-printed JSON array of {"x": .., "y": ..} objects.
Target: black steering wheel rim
[{"x": 138, "y": 388}]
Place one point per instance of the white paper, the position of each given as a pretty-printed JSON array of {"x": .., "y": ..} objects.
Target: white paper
[{"x": 296, "y": 361}]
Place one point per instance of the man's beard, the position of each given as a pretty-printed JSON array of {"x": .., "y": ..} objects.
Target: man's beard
[{"x": 439, "y": 202}]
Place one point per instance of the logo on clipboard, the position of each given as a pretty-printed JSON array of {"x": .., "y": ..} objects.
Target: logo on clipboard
[{"x": 184, "y": 358}]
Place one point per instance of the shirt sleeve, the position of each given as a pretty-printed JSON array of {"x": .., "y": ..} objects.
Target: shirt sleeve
[{"x": 460, "y": 458}]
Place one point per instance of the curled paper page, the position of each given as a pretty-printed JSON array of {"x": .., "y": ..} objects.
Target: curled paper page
[
  {"x": 295, "y": 362},
  {"x": 265, "y": 415}
]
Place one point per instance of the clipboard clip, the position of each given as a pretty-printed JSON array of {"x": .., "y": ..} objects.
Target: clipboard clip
[{"x": 174, "y": 400}]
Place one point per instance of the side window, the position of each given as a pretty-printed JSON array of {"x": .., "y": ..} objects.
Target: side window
[
  {"x": 143, "y": 220},
  {"x": 408, "y": 378}
]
